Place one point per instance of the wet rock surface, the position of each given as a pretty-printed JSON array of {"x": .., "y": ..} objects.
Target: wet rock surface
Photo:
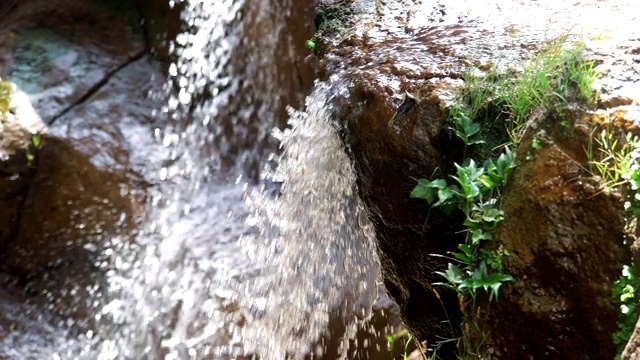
[
  {"x": 571, "y": 249},
  {"x": 566, "y": 254},
  {"x": 83, "y": 79},
  {"x": 88, "y": 68}
]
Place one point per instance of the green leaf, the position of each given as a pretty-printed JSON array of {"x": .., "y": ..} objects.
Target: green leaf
[
  {"x": 487, "y": 182},
  {"x": 477, "y": 235},
  {"x": 310, "y": 44},
  {"x": 36, "y": 140},
  {"x": 490, "y": 213},
  {"x": 468, "y": 126},
  {"x": 463, "y": 257},
  {"x": 467, "y": 176},
  {"x": 495, "y": 281},
  {"x": 480, "y": 272},
  {"x": 503, "y": 166},
  {"x": 424, "y": 191},
  {"x": 390, "y": 342},
  {"x": 454, "y": 274},
  {"x": 461, "y": 135},
  {"x": 448, "y": 195},
  {"x": 536, "y": 144},
  {"x": 467, "y": 250}
]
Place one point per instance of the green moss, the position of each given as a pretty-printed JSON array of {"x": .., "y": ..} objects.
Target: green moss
[
  {"x": 331, "y": 20},
  {"x": 6, "y": 91}
]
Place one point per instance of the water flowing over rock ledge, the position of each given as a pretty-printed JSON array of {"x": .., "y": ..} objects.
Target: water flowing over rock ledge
[
  {"x": 567, "y": 236},
  {"x": 73, "y": 199}
]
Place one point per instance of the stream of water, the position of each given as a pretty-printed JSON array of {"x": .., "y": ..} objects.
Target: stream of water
[{"x": 227, "y": 266}]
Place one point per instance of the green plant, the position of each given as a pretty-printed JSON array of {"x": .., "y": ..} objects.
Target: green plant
[
  {"x": 488, "y": 115},
  {"x": 556, "y": 73},
  {"x": 400, "y": 334},
  {"x": 625, "y": 295},
  {"x": 536, "y": 144},
  {"x": 616, "y": 160},
  {"x": 406, "y": 347},
  {"x": 465, "y": 128},
  {"x": 311, "y": 44},
  {"x": 36, "y": 144},
  {"x": 476, "y": 192},
  {"x": 494, "y": 106}
]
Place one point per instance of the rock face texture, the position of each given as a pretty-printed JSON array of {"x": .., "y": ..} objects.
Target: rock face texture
[
  {"x": 567, "y": 238},
  {"x": 380, "y": 154},
  {"x": 566, "y": 233},
  {"x": 70, "y": 185},
  {"x": 380, "y": 64}
]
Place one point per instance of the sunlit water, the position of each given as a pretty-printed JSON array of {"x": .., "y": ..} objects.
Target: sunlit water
[
  {"x": 226, "y": 266},
  {"x": 223, "y": 268}
]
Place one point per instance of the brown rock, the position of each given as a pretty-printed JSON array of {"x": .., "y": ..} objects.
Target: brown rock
[
  {"x": 566, "y": 234},
  {"x": 83, "y": 67},
  {"x": 16, "y": 129},
  {"x": 69, "y": 206},
  {"x": 387, "y": 161},
  {"x": 632, "y": 350}
]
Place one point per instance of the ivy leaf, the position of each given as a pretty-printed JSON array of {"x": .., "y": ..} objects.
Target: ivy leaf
[
  {"x": 503, "y": 166},
  {"x": 467, "y": 125},
  {"x": 454, "y": 275},
  {"x": 487, "y": 182},
  {"x": 478, "y": 235},
  {"x": 467, "y": 250},
  {"x": 462, "y": 257},
  {"x": 466, "y": 128},
  {"x": 425, "y": 190},
  {"x": 490, "y": 213},
  {"x": 467, "y": 176},
  {"x": 495, "y": 282},
  {"x": 451, "y": 192}
]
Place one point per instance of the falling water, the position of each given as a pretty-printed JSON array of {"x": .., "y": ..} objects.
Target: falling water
[
  {"x": 224, "y": 268},
  {"x": 315, "y": 245}
]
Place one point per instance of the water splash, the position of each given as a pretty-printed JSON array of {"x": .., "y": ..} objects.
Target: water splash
[{"x": 315, "y": 244}]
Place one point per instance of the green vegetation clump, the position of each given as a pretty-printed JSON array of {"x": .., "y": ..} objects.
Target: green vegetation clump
[
  {"x": 403, "y": 336},
  {"x": 625, "y": 295},
  {"x": 6, "y": 91},
  {"x": 502, "y": 102},
  {"x": 330, "y": 21},
  {"x": 617, "y": 161},
  {"x": 488, "y": 119},
  {"x": 478, "y": 193},
  {"x": 551, "y": 80}
]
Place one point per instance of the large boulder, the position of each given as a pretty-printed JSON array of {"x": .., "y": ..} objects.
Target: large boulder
[
  {"x": 381, "y": 62},
  {"x": 567, "y": 238},
  {"x": 402, "y": 63}
]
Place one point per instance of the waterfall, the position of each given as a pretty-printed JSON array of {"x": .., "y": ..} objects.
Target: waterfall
[
  {"x": 315, "y": 244},
  {"x": 225, "y": 267}
]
